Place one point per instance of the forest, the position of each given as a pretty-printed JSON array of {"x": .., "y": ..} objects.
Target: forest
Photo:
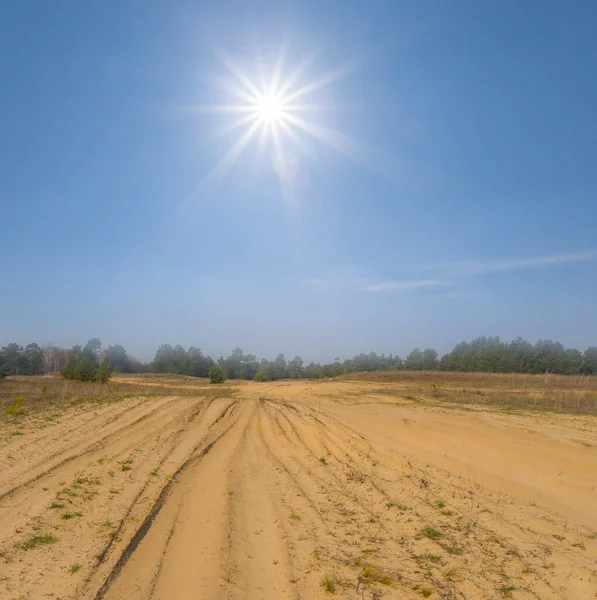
[{"x": 92, "y": 362}]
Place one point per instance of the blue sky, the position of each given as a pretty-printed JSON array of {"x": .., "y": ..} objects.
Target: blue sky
[{"x": 438, "y": 185}]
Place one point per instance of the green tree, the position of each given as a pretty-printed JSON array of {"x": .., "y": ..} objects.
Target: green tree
[
  {"x": 103, "y": 373},
  {"x": 217, "y": 374},
  {"x": 260, "y": 376},
  {"x": 414, "y": 361},
  {"x": 117, "y": 359}
]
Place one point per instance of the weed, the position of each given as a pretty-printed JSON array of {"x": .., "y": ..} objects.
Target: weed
[
  {"x": 451, "y": 575},
  {"x": 154, "y": 473},
  {"x": 14, "y": 433},
  {"x": 430, "y": 532},
  {"x": 323, "y": 460},
  {"x": 293, "y": 516},
  {"x": 434, "y": 558},
  {"x": 126, "y": 465},
  {"x": 453, "y": 549},
  {"x": 580, "y": 545},
  {"x": 372, "y": 574},
  {"x": 36, "y": 540},
  {"x": 56, "y": 505},
  {"x": 329, "y": 585},
  {"x": 506, "y": 590},
  {"x": 74, "y": 568},
  {"x": 440, "y": 504},
  {"x": 69, "y": 515},
  {"x": 107, "y": 524},
  {"x": 425, "y": 592},
  {"x": 100, "y": 461},
  {"x": 17, "y": 408},
  {"x": 66, "y": 492}
]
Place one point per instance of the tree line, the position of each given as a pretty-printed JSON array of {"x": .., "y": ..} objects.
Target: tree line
[{"x": 486, "y": 354}]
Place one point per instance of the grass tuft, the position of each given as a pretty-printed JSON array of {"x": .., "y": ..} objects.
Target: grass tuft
[
  {"x": 430, "y": 532},
  {"x": 69, "y": 515},
  {"x": 36, "y": 540}
]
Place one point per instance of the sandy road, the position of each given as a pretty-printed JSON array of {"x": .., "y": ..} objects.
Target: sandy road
[{"x": 284, "y": 492}]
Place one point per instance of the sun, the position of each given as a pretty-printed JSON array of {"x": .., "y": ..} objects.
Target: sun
[
  {"x": 273, "y": 109},
  {"x": 270, "y": 108}
]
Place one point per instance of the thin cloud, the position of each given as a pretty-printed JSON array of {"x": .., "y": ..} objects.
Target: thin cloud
[
  {"x": 482, "y": 267},
  {"x": 445, "y": 274},
  {"x": 384, "y": 286}
]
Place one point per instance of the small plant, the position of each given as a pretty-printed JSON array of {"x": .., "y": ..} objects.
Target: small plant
[
  {"x": 125, "y": 465},
  {"x": 506, "y": 590},
  {"x": 372, "y": 574},
  {"x": 56, "y": 505},
  {"x": 15, "y": 433},
  {"x": 440, "y": 504},
  {"x": 17, "y": 407},
  {"x": 74, "y": 568},
  {"x": 69, "y": 515},
  {"x": 154, "y": 473},
  {"x": 44, "y": 390},
  {"x": 323, "y": 460},
  {"x": 36, "y": 540},
  {"x": 430, "y": 532},
  {"x": 294, "y": 517},
  {"x": 434, "y": 558},
  {"x": 329, "y": 585},
  {"x": 425, "y": 592}
]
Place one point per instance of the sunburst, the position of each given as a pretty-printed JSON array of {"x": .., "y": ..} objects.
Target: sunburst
[{"x": 275, "y": 111}]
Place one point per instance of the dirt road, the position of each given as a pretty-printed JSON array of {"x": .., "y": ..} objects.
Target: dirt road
[{"x": 289, "y": 490}]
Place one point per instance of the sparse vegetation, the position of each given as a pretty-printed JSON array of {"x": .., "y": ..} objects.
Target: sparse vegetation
[
  {"x": 430, "y": 532},
  {"x": 74, "y": 568},
  {"x": 37, "y": 540},
  {"x": 69, "y": 515},
  {"x": 294, "y": 517}
]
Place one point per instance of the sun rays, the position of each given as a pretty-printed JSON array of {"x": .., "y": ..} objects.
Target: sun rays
[{"x": 278, "y": 109}]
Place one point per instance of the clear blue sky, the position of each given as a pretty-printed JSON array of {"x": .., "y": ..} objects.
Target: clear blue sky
[{"x": 441, "y": 184}]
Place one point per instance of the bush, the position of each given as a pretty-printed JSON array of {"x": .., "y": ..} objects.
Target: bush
[
  {"x": 260, "y": 376},
  {"x": 103, "y": 373},
  {"x": 217, "y": 374},
  {"x": 17, "y": 408}
]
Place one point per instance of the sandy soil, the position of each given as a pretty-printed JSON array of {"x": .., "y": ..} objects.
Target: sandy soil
[{"x": 297, "y": 490}]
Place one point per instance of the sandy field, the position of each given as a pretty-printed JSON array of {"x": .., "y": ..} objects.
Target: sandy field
[{"x": 286, "y": 490}]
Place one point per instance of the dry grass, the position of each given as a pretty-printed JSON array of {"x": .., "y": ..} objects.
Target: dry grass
[
  {"x": 52, "y": 391},
  {"x": 561, "y": 393}
]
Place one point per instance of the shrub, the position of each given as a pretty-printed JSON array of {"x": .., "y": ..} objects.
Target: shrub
[
  {"x": 103, "y": 373},
  {"x": 217, "y": 374},
  {"x": 260, "y": 376},
  {"x": 17, "y": 408}
]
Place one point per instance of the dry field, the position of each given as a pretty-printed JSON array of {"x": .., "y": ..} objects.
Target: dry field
[{"x": 424, "y": 485}]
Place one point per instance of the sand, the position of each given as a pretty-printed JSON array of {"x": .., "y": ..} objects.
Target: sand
[{"x": 297, "y": 490}]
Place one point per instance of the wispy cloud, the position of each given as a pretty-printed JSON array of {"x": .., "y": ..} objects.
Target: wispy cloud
[
  {"x": 481, "y": 267},
  {"x": 443, "y": 274},
  {"x": 400, "y": 284}
]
